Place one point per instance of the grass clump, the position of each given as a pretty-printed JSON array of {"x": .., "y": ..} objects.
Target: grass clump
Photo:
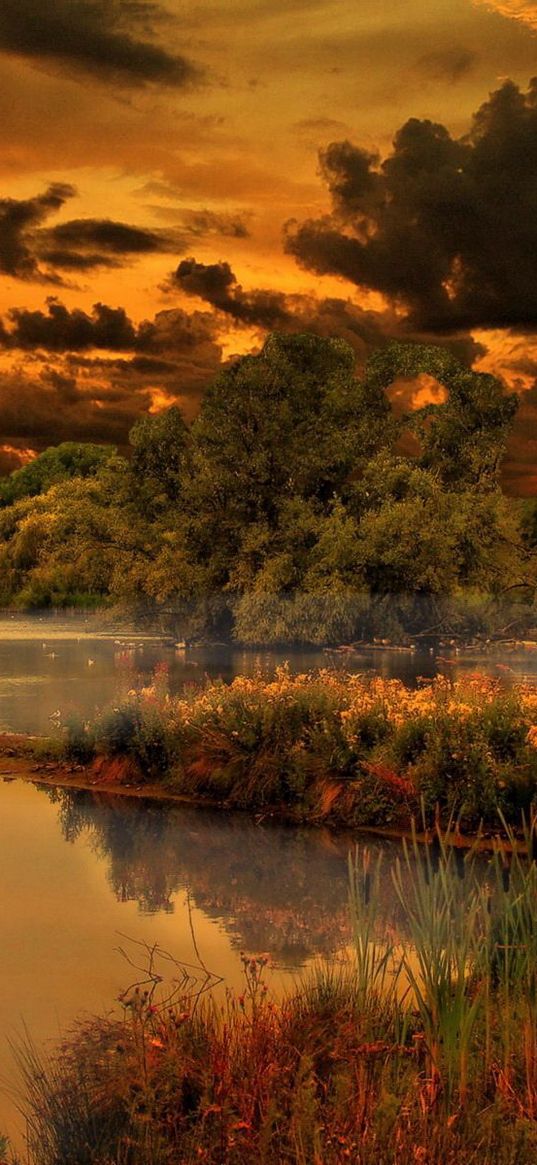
[{"x": 421, "y": 1048}]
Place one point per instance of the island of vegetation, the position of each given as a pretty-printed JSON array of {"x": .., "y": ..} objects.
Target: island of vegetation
[{"x": 325, "y": 747}]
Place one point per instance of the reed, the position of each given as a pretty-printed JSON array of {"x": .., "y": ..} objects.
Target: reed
[{"x": 420, "y": 1048}]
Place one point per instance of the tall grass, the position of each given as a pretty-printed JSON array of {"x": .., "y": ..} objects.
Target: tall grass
[{"x": 420, "y": 1049}]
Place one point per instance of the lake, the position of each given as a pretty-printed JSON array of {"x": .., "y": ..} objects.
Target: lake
[
  {"x": 83, "y": 874},
  {"x": 51, "y": 666}
]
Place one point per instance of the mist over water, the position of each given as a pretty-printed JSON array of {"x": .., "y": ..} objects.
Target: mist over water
[{"x": 50, "y": 665}]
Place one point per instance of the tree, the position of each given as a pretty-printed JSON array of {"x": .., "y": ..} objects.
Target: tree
[
  {"x": 463, "y": 439},
  {"x": 160, "y": 445},
  {"x": 58, "y": 463},
  {"x": 290, "y": 423}
]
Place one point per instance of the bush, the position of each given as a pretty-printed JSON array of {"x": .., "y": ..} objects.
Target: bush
[
  {"x": 142, "y": 731},
  {"x": 465, "y": 748},
  {"x": 80, "y": 741}
]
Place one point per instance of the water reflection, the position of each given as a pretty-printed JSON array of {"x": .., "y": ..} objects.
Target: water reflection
[
  {"x": 49, "y": 666},
  {"x": 274, "y": 889},
  {"x": 79, "y": 869}
]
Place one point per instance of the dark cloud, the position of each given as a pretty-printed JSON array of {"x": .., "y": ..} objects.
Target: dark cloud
[
  {"x": 78, "y": 394},
  {"x": 18, "y": 222},
  {"x": 110, "y": 39},
  {"x": 76, "y": 261},
  {"x": 61, "y": 330},
  {"x": 85, "y": 243},
  {"x": 175, "y": 332},
  {"x": 170, "y": 334},
  {"x": 47, "y": 409},
  {"x": 217, "y": 285},
  {"x": 116, "y": 237},
  {"x": 32, "y": 251},
  {"x": 82, "y": 398},
  {"x": 445, "y": 228},
  {"x": 448, "y": 64}
]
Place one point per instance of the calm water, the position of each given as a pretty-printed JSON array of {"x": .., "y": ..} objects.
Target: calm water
[
  {"x": 78, "y": 872},
  {"x": 49, "y": 666}
]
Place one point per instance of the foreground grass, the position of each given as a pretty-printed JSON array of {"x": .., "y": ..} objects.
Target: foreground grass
[
  {"x": 330, "y": 746},
  {"x": 421, "y": 1049}
]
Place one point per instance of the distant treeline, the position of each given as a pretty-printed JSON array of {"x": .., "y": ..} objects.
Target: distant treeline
[{"x": 297, "y": 506}]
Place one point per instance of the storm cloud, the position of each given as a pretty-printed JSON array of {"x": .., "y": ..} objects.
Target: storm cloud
[
  {"x": 445, "y": 228},
  {"x": 266, "y": 309},
  {"x": 217, "y": 284},
  {"x": 84, "y": 243},
  {"x": 19, "y": 219},
  {"x": 62, "y": 388},
  {"x": 61, "y": 330},
  {"x": 110, "y": 39},
  {"x": 31, "y": 250},
  {"x": 46, "y": 409}
]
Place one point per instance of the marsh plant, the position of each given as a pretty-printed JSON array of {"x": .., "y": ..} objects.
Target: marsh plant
[
  {"x": 336, "y": 746},
  {"x": 419, "y": 1047}
]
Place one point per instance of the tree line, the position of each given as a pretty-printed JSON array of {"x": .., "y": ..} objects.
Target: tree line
[{"x": 297, "y": 506}]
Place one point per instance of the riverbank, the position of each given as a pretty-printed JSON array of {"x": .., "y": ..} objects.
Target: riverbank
[
  {"x": 319, "y": 747},
  {"x": 419, "y": 1048}
]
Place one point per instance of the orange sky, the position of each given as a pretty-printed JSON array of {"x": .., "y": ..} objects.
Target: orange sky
[{"x": 193, "y": 130}]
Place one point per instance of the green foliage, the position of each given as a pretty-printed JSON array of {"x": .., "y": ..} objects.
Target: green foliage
[
  {"x": 140, "y": 731},
  {"x": 116, "y": 729},
  {"x": 80, "y": 741},
  {"x": 287, "y": 511},
  {"x": 59, "y": 463},
  {"x": 160, "y": 446},
  {"x": 528, "y": 522},
  {"x": 462, "y": 438},
  {"x": 329, "y": 746}
]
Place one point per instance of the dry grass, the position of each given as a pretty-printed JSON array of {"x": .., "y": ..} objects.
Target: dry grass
[{"x": 422, "y": 1049}]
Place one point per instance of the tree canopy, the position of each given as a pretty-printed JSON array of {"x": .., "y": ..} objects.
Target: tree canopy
[{"x": 288, "y": 493}]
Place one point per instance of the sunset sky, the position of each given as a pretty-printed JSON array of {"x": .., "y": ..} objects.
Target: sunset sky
[{"x": 178, "y": 179}]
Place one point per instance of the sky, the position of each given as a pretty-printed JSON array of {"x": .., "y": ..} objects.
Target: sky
[{"x": 178, "y": 179}]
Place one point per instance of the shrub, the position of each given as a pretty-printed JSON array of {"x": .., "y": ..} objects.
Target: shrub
[
  {"x": 467, "y": 748},
  {"x": 80, "y": 740},
  {"x": 140, "y": 730}
]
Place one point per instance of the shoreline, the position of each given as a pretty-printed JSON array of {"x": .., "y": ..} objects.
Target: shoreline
[{"x": 60, "y": 775}]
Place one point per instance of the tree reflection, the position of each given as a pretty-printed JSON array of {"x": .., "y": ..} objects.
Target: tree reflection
[
  {"x": 277, "y": 889},
  {"x": 273, "y": 888}
]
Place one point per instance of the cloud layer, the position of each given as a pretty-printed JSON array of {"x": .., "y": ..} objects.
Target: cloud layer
[
  {"x": 110, "y": 39},
  {"x": 32, "y": 251},
  {"x": 444, "y": 227}
]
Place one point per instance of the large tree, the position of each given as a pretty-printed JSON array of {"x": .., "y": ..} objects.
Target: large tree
[
  {"x": 462, "y": 438},
  {"x": 290, "y": 423}
]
